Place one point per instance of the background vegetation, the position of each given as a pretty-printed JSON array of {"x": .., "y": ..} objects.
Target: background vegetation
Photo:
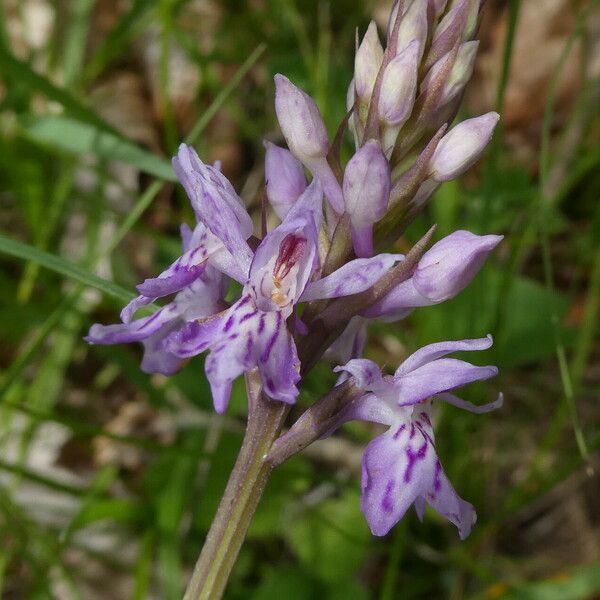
[{"x": 109, "y": 478}]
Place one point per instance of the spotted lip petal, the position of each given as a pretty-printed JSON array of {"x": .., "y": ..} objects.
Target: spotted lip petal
[
  {"x": 240, "y": 339},
  {"x": 401, "y": 468}
]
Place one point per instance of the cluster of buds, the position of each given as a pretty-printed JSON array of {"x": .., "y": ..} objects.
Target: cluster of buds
[{"x": 310, "y": 286}]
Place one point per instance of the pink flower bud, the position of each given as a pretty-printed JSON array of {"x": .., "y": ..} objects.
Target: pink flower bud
[
  {"x": 413, "y": 27},
  {"x": 399, "y": 85},
  {"x": 366, "y": 194},
  {"x": 367, "y": 63},
  {"x": 305, "y": 133},
  {"x": 284, "y": 176},
  {"x": 459, "y": 76},
  {"x": 451, "y": 30},
  {"x": 449, "y": 266},
  {"x": 460, "y": 148},
  {"x": 300, "y": 121}
]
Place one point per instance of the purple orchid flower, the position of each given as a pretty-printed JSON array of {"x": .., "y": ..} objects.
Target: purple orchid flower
[
  {"x": 253, "y": 332},
  {"x": 401, "y": 466}
]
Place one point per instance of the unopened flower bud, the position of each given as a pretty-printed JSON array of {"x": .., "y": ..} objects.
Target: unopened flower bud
[
  {"x": 413, "y": 27},
  {"x": 460, "y": 148},
  {"x": 284, "y": 176},
  {"x": 399, "y": 85},
  {"x": 355, "y": 125},
  {"x": 449, "y": 266},
  {"x": 367, "y": 63},
  {"x": 459, "y": 76},
  {"x": 451, "y": 30},
  {"x": 366, "y": 194},
  {"x": 438, "y": 7},
  {"x": 300, "y": 120},
  {"x": 442, "y": 273},
  {"x": 306, "y": 135}
]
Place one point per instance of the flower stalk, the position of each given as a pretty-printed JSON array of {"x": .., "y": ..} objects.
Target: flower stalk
[{"x": 241, "y": 497}]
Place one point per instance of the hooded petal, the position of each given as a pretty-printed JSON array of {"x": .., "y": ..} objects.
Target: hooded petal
[
  {"x": 366, "y": 408},
  {"x": 356, "y": 276},
  {"x": 284, "y": 178},
  {"x": 366, "y": 373},
  {"x": 216, "y": 204}
]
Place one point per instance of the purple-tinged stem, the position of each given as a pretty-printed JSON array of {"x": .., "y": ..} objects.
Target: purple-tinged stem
[{"x": 241, "y": 497}]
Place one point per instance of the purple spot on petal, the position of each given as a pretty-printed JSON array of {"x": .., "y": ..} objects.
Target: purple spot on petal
[
  {"x": 248, "y": 316},
  {"x": 387, "y": 504},
  {"x": 229, "y": 323},
  {"x": 261, "y": 324},
  {"x": 267, "y": 352},
  {"x": 243, "y": 301},
  {"x": 437, "y": 482},
  {"x": 399, "y": 432},
  {"x": 413, "y": 457},
  {"x": 249, "y": 347}
]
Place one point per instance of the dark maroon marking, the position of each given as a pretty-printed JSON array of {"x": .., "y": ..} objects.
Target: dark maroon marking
[
  {"x": 261, "y": 324},
  {"x": 267, "y": 352},
  {"x": 387, "y": 503},
  {"x": 229, "y": 323},
  {"x": 248, "y": 316},
  {"x": 270, "y": 385},
  {"x": 413, "y": 457},
  {"x": 399, "y": 432},
  {"x": 425, "y": 417},
  {"x": 412, "y": 432},
  {"x": 291, "y": 250}
]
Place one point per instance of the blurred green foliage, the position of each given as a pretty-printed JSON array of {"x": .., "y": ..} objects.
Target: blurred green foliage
[{"x": 308, "y": 538}]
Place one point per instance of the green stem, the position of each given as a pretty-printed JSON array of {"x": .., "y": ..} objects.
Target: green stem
[{"x": 240, "y": 499}]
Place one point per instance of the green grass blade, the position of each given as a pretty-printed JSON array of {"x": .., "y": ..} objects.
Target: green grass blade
[
  {"x": 232, "y": 84},
  {"x": 63, "y": 267},
  {"x": 75, "y": 44},
  {"x": 19, "y": 72},
  {"x": 82, "y": 138}
]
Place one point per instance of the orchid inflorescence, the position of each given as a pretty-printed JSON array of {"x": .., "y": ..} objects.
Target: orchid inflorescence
[{"x": 311, "y": 285}]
